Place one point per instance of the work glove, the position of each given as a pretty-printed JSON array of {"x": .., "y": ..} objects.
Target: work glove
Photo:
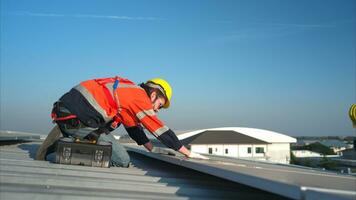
[
  {"x": 197, "y": 156},
  {"x": 155, "y": 150},
  {"x": 162, "y": 151}
]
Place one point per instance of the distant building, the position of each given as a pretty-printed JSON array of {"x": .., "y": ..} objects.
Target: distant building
[
  {"x": 310, "y": 154},
  {"x": 240, "y": 142},
  {"x": 306, "y": 154},
  {"x": 336, "y": 145}
]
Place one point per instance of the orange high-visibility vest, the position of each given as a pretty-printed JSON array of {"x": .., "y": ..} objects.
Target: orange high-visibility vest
[{"x": 128, "y": 102}]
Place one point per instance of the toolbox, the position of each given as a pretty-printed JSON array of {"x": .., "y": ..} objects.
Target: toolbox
[{"x": 83, "y": 153}]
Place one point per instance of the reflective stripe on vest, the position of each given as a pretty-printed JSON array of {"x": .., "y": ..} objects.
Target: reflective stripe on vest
[
  {"x": 160, "y": 131},
  {"x": 88, "y": 96},
  {"x": 144, "y": 113},
  {"x": 110, "y": 87}
]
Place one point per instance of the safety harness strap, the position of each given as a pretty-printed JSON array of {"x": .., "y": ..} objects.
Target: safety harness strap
[
  {"x": 56, "y": 118},
  {"x": 112, "y": 97},
  {"x": 61, "y": 114}
]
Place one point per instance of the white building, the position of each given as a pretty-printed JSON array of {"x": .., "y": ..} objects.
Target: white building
[
  {"x": 306, "y": 154},
  {"x": 310, "y": 154},
  {"x": 240, "y": 142}
]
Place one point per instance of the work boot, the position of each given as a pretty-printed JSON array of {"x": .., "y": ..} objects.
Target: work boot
[{"x": 48, "y": 143}]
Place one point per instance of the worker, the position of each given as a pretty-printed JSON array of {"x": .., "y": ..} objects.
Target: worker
[{"x": 94, "y": 108}]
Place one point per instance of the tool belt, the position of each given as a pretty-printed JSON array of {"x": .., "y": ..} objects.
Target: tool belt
[
  {"x": 61, "y": 114},
  {"x": 68, "y": 122}
]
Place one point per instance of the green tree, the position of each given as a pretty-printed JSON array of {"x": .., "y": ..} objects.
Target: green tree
[{"x": 293, "y": 159}]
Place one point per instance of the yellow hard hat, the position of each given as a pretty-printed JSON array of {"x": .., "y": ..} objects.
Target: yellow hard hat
[
  {"x": 352, "y": 114},
  {"x": 167, "y": 89}
]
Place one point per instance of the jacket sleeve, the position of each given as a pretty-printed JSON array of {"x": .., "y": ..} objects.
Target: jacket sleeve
[
  {"x": 137, "y": 134},
  {"x": 170, "y": 139},
  {"x": 148, "y": 118}
]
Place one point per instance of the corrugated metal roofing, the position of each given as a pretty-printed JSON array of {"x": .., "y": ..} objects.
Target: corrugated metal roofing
[
  {"x": 21, "y": 177},
  {"x": 15, "y": 135},
  {"x": 287, "y": 180},
  {"x": 264, "y": 135}
]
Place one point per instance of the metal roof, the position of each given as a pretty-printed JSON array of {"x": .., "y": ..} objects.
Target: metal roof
[
  {"x": 260, "y": 134},
  {"x": 21, "y": 177},
  {"x": 287, "y": 180},
  {"x": 149, "y": 177},
  {"x": 16, "y": 136},
  {"x": 221, "y": 137}
]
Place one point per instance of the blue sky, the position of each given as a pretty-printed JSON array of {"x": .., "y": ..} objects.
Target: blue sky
[{"x": 286, "y": 66}]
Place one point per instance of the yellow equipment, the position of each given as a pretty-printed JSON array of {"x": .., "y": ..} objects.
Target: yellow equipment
[
  {"x": 352, "y": 114},
  {"x": 167, "y": 89}
]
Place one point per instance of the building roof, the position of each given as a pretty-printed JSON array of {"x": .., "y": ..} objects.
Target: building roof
[
  {"x": 333, "y": 143},
  {"x": 259, "y": 134},
  {"x": 221, "y": 137},
  {"x": 21, "y": 177}
]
